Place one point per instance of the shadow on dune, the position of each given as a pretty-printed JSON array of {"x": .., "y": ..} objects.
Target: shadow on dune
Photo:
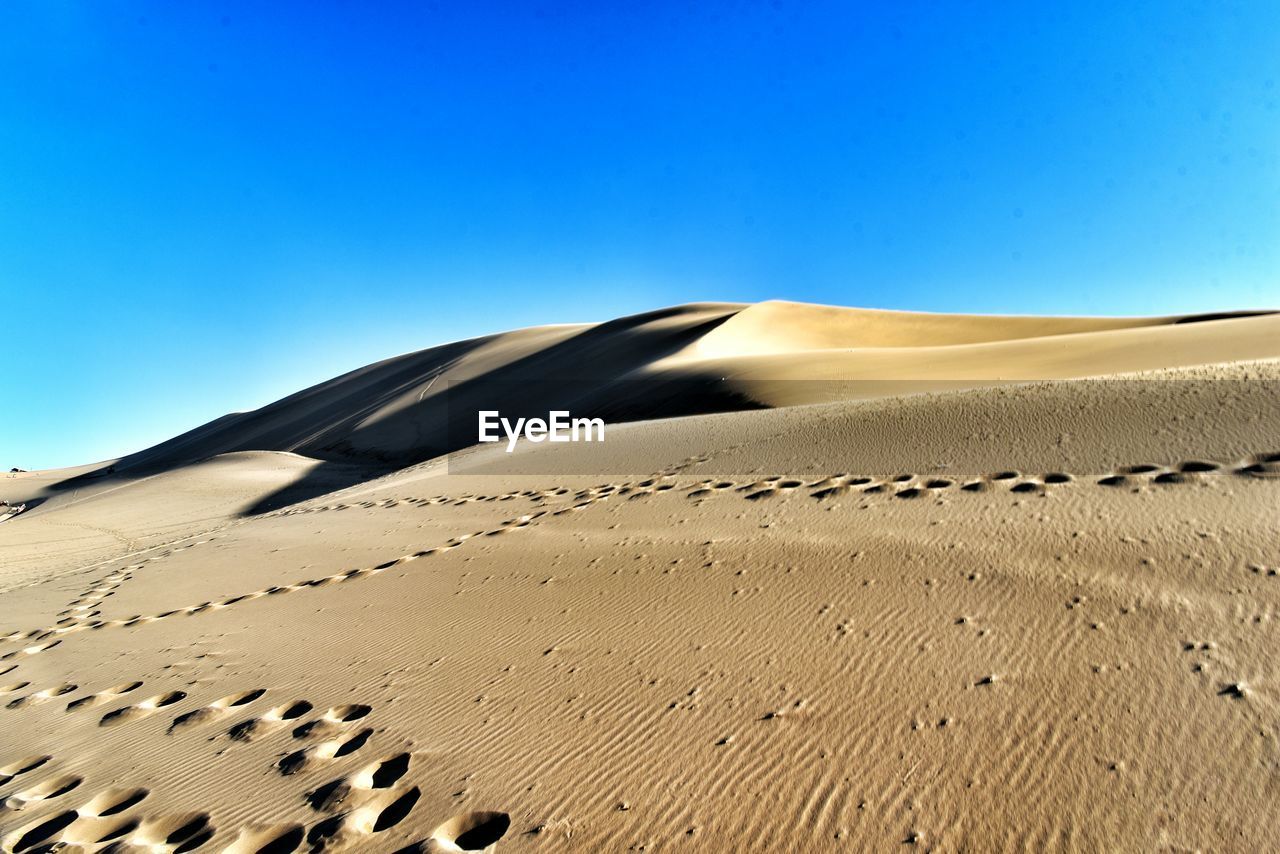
[
  {"x": 328, "y": 476},
  {"x": 594, "y": 373},
  {"x": 422, "y": 405},
  {"x": 28, "y": 505},
  {"x": 303, "y": 422},
  {"x": 1222, "y": 315}
]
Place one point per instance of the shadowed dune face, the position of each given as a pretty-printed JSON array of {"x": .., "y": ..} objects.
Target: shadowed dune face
[{"x": 421, "y": 405}]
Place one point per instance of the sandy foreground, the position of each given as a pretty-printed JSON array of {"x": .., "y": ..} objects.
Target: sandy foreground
[{"x": 965, "y": 584}]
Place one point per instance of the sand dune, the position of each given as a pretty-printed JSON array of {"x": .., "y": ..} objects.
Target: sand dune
[
  {"x": 785, "y": 354},
  {"x": 778, "y": 326},
  {"x": 695, "y": 359},
  {"x": 953, "y": 582}
]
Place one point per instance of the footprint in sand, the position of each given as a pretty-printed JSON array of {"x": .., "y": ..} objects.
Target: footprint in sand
[
  {"x": 54, "y": 787},
  {"x": 20, "y": 767},
  {"x": 104, "y": 696},
  {"x": 470, "y": 831},
  {"x": 141, "y": 710},
  {"x": 1140, "y": 468},
  {"x": 268, "y": 839},
  {"x": 766, "y": 488},
  {"x": 269, "y": 722},
  {"x": 41, "y": 696},
  {"x": 90, "y": 823},
  {"x": 334, "y": 748},
  {"x": 350, "y": 829},
  {"x": 216, "y": 709},
  {"x": 34, "y": 649},
  {"x": 1134, "y": 475},
  {"x": 83, "y": 830},
  {"x": 332, "y": 722},
  {"x": 185, "y": 832},
  {"x": 382, "y": 774},
  {"x": 1262, "y": 465},
  {"x": 837, "y": 486},
  {"x": 113, "y": 802}
]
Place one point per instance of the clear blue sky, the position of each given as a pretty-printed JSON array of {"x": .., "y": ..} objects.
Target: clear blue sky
[{"x": 206, "y": 206}]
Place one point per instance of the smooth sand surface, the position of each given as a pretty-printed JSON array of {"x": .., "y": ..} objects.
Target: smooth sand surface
[{"x": 974, "y": 584}]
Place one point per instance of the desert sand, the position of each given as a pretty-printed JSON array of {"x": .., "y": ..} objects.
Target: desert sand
[{"x": 836, "y": 580}]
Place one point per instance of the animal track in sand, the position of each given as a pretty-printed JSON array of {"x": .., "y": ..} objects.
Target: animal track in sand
[
  {"x": 141, "y": 710},
  {"x": 334, "y": 748},
  {"x": 269, "y": 722},
  {"x": 216, "y": 709}
]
